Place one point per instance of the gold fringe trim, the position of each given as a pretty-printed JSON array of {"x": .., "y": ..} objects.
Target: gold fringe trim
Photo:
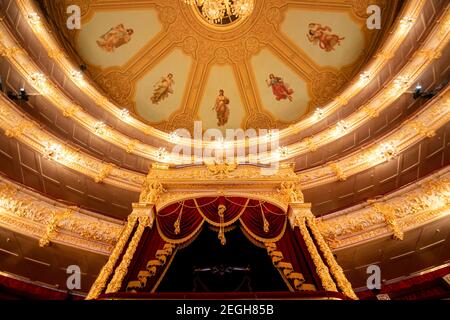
[
  {"x": 178, "y": 241},
  {"x": 264, "y": 240},
  {"x": 226, "y": 224},
  {"x": 287, "y": 270}
]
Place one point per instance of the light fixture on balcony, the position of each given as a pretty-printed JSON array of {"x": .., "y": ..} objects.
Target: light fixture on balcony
[
  {"x": 387, "y": 151},
  {"x": 34, "y": 18},
  {"x": 222, "y": 12},
  {"x": 161, "y": 154},
  {"x": 124, "y": 114},
  {"x": 100, "y": 128},
  {"x": 52, "y": 151},
  {"x": 282, "y": 153},
  {"x": 342, "y": 128},
  {"x": 318, "y": 113}
]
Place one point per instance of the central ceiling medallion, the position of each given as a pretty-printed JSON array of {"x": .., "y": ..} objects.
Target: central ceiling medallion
[{"x": 223, "y": 12}]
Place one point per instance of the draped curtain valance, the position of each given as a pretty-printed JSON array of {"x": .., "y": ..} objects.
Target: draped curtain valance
[{"x": 180, "y": 222}]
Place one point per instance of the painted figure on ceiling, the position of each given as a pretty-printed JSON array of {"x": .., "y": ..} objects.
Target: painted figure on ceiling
[
  {"x": 114, "y": 38},
  {"x": 280, "y": 89},
  {"x": 222, "y": 109},
  {"x": 322, "y": 36},
  {"x": 162, "y": 89}
]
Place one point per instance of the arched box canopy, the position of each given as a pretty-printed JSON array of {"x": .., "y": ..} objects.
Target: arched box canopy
[{"x": 165, "y": 186}]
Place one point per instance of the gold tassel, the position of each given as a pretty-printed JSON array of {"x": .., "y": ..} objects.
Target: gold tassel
[
  {"x": 177, "y": 224},
  {"x": 221, "y": 212},
  {"x": 265, "y": 222}
]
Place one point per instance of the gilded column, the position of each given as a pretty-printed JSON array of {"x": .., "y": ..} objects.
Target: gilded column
[
  {"x": 297, "y": 217},
  {"x": 144, "y": 220},
  {"x": 105, "y": 273},
  {"x": 335, "y": 269}
]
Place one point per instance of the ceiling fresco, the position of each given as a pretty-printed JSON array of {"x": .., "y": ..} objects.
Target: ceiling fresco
[{"x": 169, "y": 67}]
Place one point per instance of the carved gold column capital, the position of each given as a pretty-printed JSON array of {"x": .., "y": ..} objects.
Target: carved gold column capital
[
  {"x": 292, "y": 192},
  {"x": 144, "y": 213},
  {"x": 151, "y": 190},
  {"x": 298, "y": 213}
]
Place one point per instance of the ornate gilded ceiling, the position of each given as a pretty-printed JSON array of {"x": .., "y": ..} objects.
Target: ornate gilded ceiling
[{"x": 166, "y": 65}]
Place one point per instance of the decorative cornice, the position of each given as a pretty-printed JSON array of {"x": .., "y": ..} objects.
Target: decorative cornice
[
  {"x": 406, "y": 209},
  {"x": 27, "y": 212}
]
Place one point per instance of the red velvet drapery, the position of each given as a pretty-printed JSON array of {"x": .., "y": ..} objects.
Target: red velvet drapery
[{"x": 179, "y": 224}]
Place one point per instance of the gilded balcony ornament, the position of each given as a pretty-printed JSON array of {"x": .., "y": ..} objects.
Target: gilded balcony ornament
[
  {"x": 342, "y": 101},
  {"x": 124, "y": 114},
  {"x": 9, "y": 52},
  {"x": 55, "y": 53},
  {"x": 131, "y": 147},
  {"x": 371, "y": 112},
  {"x": 422, "y": 129},
  {"x": 221, "y": 170},
  {"x": 70, "y": 111},
  {"x": 312, "y": 146},
  {"x": 336, "y": 168},
  {"x": 151, "y": 190},
  {"x": 53, "y": 225},
  {"x": 388, "y": 212},
  {"x": 104, "y": 172},
  {"x": 292, "y": 192},
  {"x": 18, "y": 130},
  {"x": 430, "y": 54},
  {"x": 386, "y": 56}
]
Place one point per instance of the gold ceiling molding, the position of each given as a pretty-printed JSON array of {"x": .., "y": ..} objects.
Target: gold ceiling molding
[
  {"x": 406, "y": 209},
  {"x": 27, "y": 212},
  {"x": 404, "y": 24},
  {"x": 433, "y": 116},
  {"x": 436, "y": 42}
]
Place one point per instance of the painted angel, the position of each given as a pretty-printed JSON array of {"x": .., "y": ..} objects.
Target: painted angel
[
  {"x": 222, "y": 109},
  {"x": 323, "y": 36},
  {"x": 114, "y": 38},
  {"x": 162, "y": 89},
  {"x": 280, "y": 89}
]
